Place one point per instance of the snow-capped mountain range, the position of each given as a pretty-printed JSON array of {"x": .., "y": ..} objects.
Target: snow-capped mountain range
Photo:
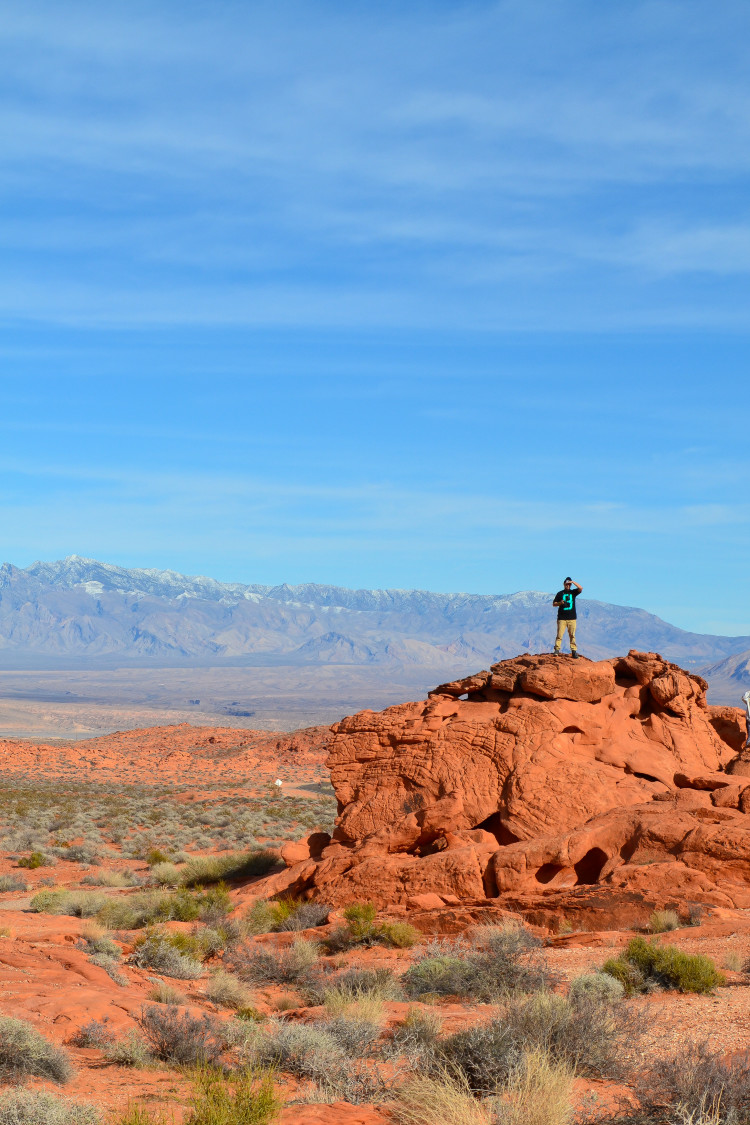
[{"x": 92, "y": 611}]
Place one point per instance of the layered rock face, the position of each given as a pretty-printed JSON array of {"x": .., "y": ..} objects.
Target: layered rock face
[{"x": 542, "y": 775}]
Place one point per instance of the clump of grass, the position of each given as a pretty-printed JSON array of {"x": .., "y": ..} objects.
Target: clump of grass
[
  {"x": 156, "y": 855},
  {"x": 643, "y": 964},
  {"x": 77, "y": 904},
  {"x": 662, "y": 921},
  {"x": 25, "y": 1053},
  {"x": 733, "y": 961},
  {"x": 12, "y": 883},
  {"x": 164, "y": 993},
  {"x": 538, "y": 1093},
  {"x": 110, "y": 879},
  {"x": 232, "y": 866},
  {"x": 131, "y": 1050},
  {"x": 226, "y": 990},
  {"x": 248, "y": 1098},
  {"x": 166, "y": 873},
  {"x": 182, "y": 905},
  {"x": 426, "y": 1100},
  {"x": 181, "y": 1038},
  {"x": 36, "y": 1107},
  {"x": 416, "y": 1038}
]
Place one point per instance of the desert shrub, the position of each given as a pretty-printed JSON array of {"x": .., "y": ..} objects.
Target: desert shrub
[
  {"x": 265, "y": 917},
  {"x": 79, "y": 853},
  {"x": 482, "y": 1056},
  {"x": 248, "y": 1098},
  {"x": 400, "y": 935},
  {"x": 501, "y": 960},
  {"x": 96, "y": 1033},
  {"x": 696, "y": 910},
  {"x": 77, "y": 904},
  {"x": 24, "y": 1052},
  {"x": 130, "y": 1050},
  {"x": 227, "y": 991},
  {"x": 600, "y": 986},
  {"x": 305, "y": 916},
  {"x": 239, "y": 865},
  {"x": 733, "y": 961},
  {"x": 156, "y": 855},
  {"x": 182, "y": 1039},
  {"x": 664, "y": 966},
  {"x": 163, "y": 993},
  {"x": 288, "y": 965},
  {"x": 661, "y": 921},
  {"x": 139, "y": 1115},
  {"x": 538, "y": 1093},
  {"x": 166, "y": 873},
  {"x": 12, "y": 883},
  {"x": 700, "y": 1084},
  {"x": 110, "y": 879},
  {"x": 36, "y": 1107},
  {"x": 158, "y": 952},
  {"x": 111, "y": 966},
  {"x": 426, "y": 1100},
  {"x": 36, "y": 859},
  {"x": 356, "y": 1037},
  {"x": 182, "y": 905},
  {"x": 96, "y": 940},
  {"x": 416, "y": 1038},
  {"x": 584, "y": 1035},
  {"x": 302, "y": 1050}
]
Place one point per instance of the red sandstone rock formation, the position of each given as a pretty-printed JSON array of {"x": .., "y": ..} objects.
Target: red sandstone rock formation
[{"x": 541, "y": 775}]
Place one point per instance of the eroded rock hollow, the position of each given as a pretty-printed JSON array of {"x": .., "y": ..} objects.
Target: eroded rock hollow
[{"x": 542, "y": 776}]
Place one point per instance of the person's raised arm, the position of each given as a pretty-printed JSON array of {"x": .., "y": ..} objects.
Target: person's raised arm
[{"x": 577, "y": 585}]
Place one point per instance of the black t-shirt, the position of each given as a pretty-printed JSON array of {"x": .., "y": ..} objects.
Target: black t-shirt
[{"x": 566, "y": 611}]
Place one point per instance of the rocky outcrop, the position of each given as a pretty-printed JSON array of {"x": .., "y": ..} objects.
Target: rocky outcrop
[{"x": 542, "y": 775}]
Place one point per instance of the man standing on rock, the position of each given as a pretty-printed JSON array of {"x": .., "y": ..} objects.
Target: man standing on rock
[
  {"x": 746, "y": 701},
  {"x": 565, "y": 600}
]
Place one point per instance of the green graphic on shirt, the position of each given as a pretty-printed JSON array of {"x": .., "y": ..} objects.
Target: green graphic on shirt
[{"x": 567, "y": 601}]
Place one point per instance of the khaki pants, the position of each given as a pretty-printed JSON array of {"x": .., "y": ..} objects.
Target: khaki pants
[{"x": 571, "y": 627}]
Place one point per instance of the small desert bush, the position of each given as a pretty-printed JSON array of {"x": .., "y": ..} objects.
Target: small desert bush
[
  {"x": 426, "y": 1100},
  {"x": 643, "y": 964},
  {"x": 361, "y": 928},
  {"x": 356, "y": 1035},
  {"x": 154, "y": 856},
  {"x": 79, "y": 853},
  {"x": 500, "y": 961},
  {"x": 36, "y": 1107},
  {"x": 182, "y": 1039},
  {"x": 96, "y": 1033},
  {"x": 701, "y": 1085},
  {"x": 600, "y": 986},
  {"x": 289, "y": 964},
  {"x": 130, "y": 1050},
  {"x": 166, "y": 873},
  {"x": 163, "y": 993},
  {"x": 661, "y": 921},
  {"x": 238, "y": 865},
  {"x": 36, "y": 859},
  {"x": 226, "y": 990},
  {"x": 77, "y": 904},
  {"x": 585, "y": 1035},
  {"x": 182, "y": 905},
  {"x": 11, "y": 883},
  {"x": 416, "y": 1038},
  {"x": 95, "y": 939},
  {"x": 106, "y": 878},
  {"x": 733, "y": 961},
  {"x": 24, "y": 1053},
  {"x": 159, "y": 952},
  {"x": 539, "y": 1093},
  {"x": 248, "y": 1098},
  {"x": 302, "y": 1050}
]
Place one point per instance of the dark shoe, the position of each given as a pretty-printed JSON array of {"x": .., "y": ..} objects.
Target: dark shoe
[{"x": 574, "y": 655}]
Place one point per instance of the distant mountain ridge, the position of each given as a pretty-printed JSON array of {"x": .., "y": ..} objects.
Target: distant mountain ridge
[{"x": 93, "y": 611}]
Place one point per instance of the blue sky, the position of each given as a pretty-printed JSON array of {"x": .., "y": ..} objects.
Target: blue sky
[{"x": 447, "y": 295}]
